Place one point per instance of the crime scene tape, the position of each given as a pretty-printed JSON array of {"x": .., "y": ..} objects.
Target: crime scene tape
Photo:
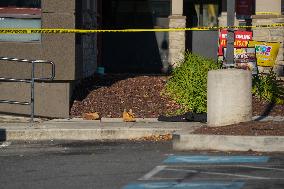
[
  {"x": 267, "y": 13},
  {"x": 83, "y": 31}
]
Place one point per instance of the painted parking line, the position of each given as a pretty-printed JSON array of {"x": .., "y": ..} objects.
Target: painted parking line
[
  {"x": 152, "y": 173},
  {"x": 172, "y": 173},
  {"x": 5, "y": 144},
  {"x": 188, "y": 185},
  {"x": 216, "y": 159},
  {"x": 212, "y": 173}
]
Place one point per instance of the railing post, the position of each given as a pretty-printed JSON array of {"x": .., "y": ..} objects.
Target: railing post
[
  {"x": 33, "y": 92},
  {"x": 31, "y": 81}
]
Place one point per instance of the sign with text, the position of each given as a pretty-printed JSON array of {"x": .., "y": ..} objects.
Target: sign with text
[
  {"x": 245, "y": 8},
  {"x": 266, "y": 52},
  {"x": 245, "y": 58},
  {"x": 241, "y": 39}
]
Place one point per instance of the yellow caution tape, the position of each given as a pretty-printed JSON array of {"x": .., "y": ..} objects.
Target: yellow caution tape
[
  {"x": 267, "y": 13},
  {"x": 55, "y": 31}
]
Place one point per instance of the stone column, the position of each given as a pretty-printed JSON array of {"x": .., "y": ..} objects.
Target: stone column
[
  {"x": 177, "y": 38},
  {"x": 267, "y": 13}
]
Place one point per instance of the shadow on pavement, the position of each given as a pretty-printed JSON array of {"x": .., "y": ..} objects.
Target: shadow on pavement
[{"x": 3, "y": 135}]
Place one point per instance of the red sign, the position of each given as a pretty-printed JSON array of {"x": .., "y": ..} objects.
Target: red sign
[
  {"x": 15, "y": 10},
  {"x": 245, "y": 8},
  {"x": 241, "y": 39}
]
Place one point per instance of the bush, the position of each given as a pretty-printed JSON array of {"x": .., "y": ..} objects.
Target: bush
[
  {"x": 188, "y": 82},
  {"x": 267, "y": 87}
]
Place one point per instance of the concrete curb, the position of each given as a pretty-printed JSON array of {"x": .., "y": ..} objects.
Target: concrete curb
[
  {"x": 107, "y": 120},
  {"x": 228, "y": 143},
  {"x": 89, "y": 130},
  {"x": 83, "y": 134}
]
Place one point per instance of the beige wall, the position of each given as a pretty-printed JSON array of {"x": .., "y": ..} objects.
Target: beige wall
[
  {"x": 51, "y": 99},
  {"x": 59, "y": 48},
  {"x": 273, "y": 6}
]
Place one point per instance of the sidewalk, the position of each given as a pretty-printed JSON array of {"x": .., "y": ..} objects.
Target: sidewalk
[{"x": 19, "y": 129}]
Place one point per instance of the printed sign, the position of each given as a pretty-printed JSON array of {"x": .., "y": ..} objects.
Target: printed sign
[
  {"x": 241, "y": 39},
  {"x": 245, "y": 58},
  {"x": 266, "y": 52}
]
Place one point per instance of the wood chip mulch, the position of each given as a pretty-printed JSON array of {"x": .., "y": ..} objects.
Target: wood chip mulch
[
  {"x": 110, "y": 95},
  {"x": 253, "y": 128},
  {"x": 263, "y": 108}
]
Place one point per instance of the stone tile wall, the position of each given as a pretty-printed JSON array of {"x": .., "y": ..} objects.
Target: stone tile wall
[
  {"x": 275, "y": 34},
  {"x": 176, "y": 40}
]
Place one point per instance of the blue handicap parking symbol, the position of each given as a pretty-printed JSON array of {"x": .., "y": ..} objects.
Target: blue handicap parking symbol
[
  {"x": 216, "y": 159},
  {"x": 189, "y": 185}
]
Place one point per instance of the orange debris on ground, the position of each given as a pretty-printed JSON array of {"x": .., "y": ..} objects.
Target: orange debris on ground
[
  {"x": 128, "y": 116},
  {"x": 155, "y": 138},
  {"x": 91, "y": 116}
]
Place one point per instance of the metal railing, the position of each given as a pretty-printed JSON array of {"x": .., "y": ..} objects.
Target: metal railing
[{"x": 31, "y": 81}]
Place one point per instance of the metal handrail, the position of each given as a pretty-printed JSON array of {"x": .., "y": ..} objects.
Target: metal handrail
[{"x": 31, "y": 81}]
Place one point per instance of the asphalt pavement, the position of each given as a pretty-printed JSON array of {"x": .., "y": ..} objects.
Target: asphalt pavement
[{"x": 133, "y": 165}]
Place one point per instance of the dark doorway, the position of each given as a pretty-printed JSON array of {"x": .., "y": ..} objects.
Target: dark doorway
[{"x": 142, "y": 52}]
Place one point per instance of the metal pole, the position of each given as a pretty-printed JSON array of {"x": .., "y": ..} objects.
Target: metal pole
[
  {"x": 33, "y": 92},
  {"x": 201, "y": 13},
  {"x": 230, "y": 36}
]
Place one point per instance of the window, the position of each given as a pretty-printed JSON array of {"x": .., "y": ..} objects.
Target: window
[
  {"x": 20, "y": 14},
  {"x": 201, "y": 12}
]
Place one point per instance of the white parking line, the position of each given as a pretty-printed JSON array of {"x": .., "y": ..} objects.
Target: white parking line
[
  {"x": 237, "y": 175},
  {"x": 218, "y": 173},
  {"x": 265, "y": 168},
  {"x": 241, "y": 176},
  {"x": 153, "y": 172},
  {"x": 5, "y": 144},
  {"x": 269, "y": 166},
  {"x": 158, "y": 169}
]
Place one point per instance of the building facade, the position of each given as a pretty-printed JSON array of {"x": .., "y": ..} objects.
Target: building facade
[
  {"x": 74, "y": 55},
  {"x": 77, "y": 56}
]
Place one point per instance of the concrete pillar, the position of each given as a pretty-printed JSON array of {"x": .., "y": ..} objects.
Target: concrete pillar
[
  {"x": 176, "y": 39},
  {"x": 229, "y": 98}
]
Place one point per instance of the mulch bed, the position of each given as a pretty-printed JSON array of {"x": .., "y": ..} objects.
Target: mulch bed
[
  {"x": 263, "y": 108},
  {"x": 110, "y": 95},
  {"x": 253, "y": 128}
]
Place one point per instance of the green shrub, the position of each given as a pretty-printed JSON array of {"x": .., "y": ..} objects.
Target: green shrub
[
  {"x": 266, "y": 86},
  {"x": 188, "y": 82}
]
